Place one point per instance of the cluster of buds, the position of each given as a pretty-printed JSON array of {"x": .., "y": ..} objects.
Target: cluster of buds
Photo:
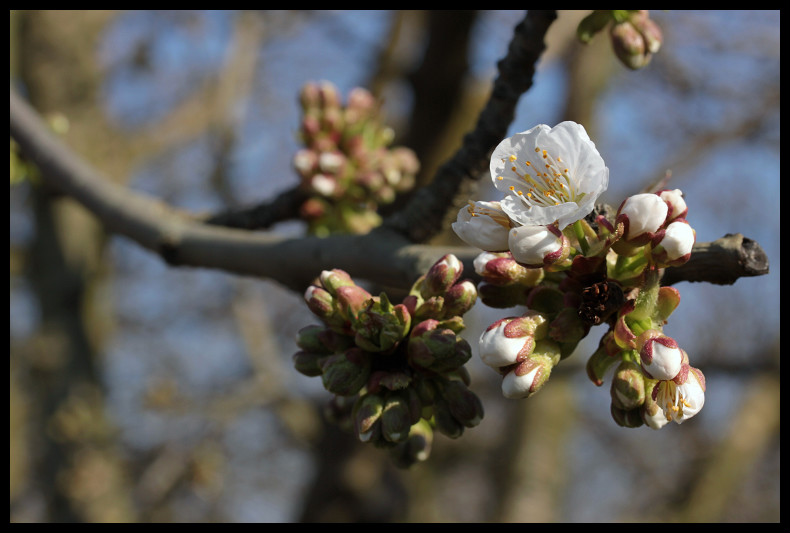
[
  {"x": 653, "y": 382},
  {"x": 575, "y": 265},
  {"x": 347, "y": 167},
  {"x": 635, "y": 37},
  {"x": 396, "y": 370}
]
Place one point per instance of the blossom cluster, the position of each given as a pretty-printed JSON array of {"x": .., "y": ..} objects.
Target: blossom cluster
[
  {"x": 396, "y": 370},
  {"x": 347, "y": 166},
  {"x": 548, "y": 246}
]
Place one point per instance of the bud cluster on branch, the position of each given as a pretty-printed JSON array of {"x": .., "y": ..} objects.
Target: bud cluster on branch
[
  {"x": 347, "y": 168},
  {"x": 396, "y": 370}
]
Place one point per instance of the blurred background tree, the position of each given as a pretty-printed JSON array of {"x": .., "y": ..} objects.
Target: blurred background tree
[{"x": 142, "y": 392}]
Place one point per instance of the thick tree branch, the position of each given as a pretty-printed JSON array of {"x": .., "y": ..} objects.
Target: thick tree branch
[{"x": 382, "y": 256}]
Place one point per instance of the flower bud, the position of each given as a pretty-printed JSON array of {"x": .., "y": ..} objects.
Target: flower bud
[
  {"x": 538, "y": 246},
  {"x": 628, "y": 387},
  {"x": 350, "y": 300},
  {"x": 629, "y": 46},
  {"x": 510, "y": 340},
  {"x": 417, "y": 446},
  {"x": 626, "y": 419},
  {"x": 320, "y": 302},
  {"x": 661, "y": 358},
  {"x": 309, "y": 363},
  {"x": 459, "y": 298},
  {"x": 345, "y": 373},
  {"x": 502, "y": 269},
  {"x": 380, "y": 326},
  {"x": 642, "y": 214},
  {"x": 672, "y": 246},
  {"x": 333, "y": 279},
  {"x": 446, "y": 423},
  {"x": 310, "y": 338},
  {"x": 367, "y": 417},
  {"x": 463, "y": 404},
  {"x": 441, "y": 276},
  {"x": 649, "y": 30},
  {"x": 675, "y": 203},
  {"x": 529, "y": 376},
  {"x": 436, "y": 348},
  {"x": 305, "y": 162},
  {"x": 396, "y": 419},
  {"x": 483, "y": 225}
]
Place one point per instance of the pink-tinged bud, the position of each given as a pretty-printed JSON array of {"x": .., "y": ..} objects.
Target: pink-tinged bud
[
  {"x": 628, "y": 387},
  {"x": 675, "y": 202},
  {"x": 434, "y": 347},
  {"x": 351, "y": 300},
  {"x": 331, "y": 280},
  {"x": 309, "y": 96},
  {"x": 531, "y": 374},
  {"x": 380, "y": 326},
  {"x": 319, "y": 301},
  {"x": 672, "y": 246},
  {"x": 502, "y": 269},
  {"x": 510, "y": 340},
  {"x": 660, "y": 355},
  {"x": 459, "y": 298},
  {"x": 629, "y": 46},
  {"x": 345, "y": 373},
  {"x": 441, "y": 276},
  {"x": 313, "y": 209},
  {"x": 538, "y": 246},
  {"x": 367, "y": 417},
  {"x": 463, "y": 404},
  {"x": 328, "y": 94},
  {"x": 642, "y": 215},
  {"x": 649, "y": 31}
]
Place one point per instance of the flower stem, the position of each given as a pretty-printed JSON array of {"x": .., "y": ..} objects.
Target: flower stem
[{"x": 578, "y": 230}]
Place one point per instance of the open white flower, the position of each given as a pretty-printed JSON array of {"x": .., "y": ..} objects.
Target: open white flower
[
  {"x": 549, "y": 174},
  {"x": 483, "y": 225},
  {"x": 681, "y": 402}
]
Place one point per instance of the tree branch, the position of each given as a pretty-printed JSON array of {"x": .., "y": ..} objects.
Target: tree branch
[{"x": 382, "y": 256}]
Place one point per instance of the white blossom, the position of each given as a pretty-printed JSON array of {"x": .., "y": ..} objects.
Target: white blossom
[
  {"x": 549, "y": 174},
  {"x": 483, "y": 225}
]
